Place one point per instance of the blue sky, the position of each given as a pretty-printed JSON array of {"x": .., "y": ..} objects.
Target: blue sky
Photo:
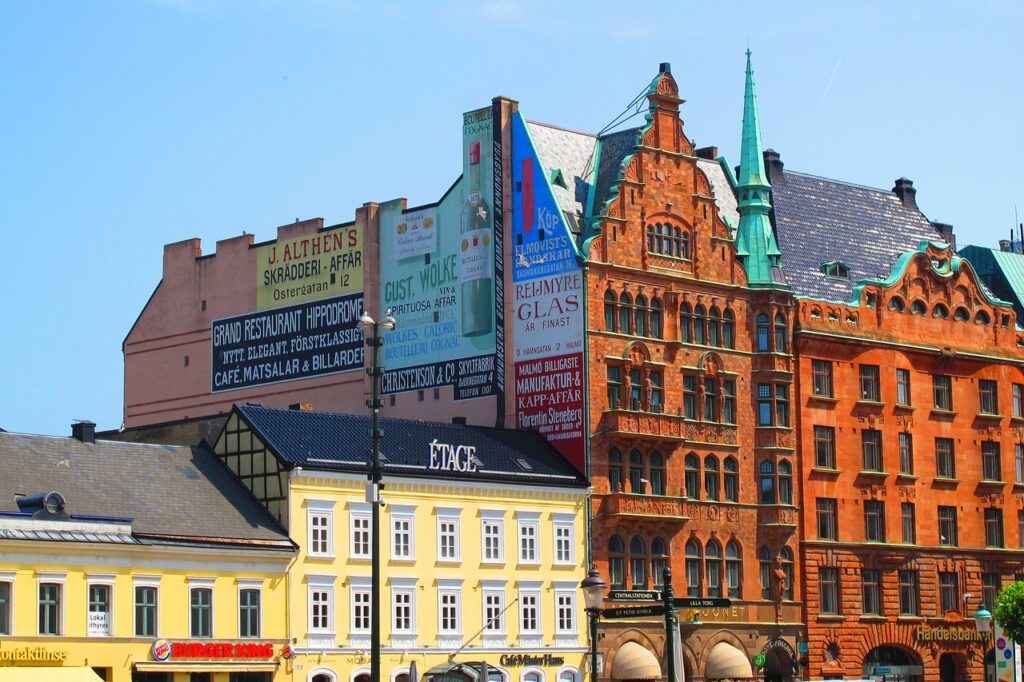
[{"x": 127, "y": 125}]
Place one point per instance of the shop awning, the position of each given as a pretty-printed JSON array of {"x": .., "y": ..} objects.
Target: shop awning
[
  {"x": 36, "y": 673},
  {"x": 727, "y": 662},
  {"x": 634, "y": 662},
  {"x": 204, "y": 667}
]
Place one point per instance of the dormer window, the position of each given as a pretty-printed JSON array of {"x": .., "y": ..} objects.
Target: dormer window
[
  {"x": 558, "y": 178},
  {"x": 834, "y": 269}
]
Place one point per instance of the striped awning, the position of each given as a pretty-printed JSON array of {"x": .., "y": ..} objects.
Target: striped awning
[
  {"x": 635, "y": 662},
  {"x": 727, "y": 662}
]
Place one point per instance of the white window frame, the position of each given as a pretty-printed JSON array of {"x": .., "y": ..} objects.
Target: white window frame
[
  {"x": 203, "y": 584},
  {"x": 405, "y": 587},
  {"x": 497, "y": 520},
  {"x": 359, "y": 585},
  {"x": 449, "y": 515},
  {"x": 321, "y": 583},
  {"x": 449, "y": 587},
  {"x": 59, "y": 579},
  {"x": 325, "y": 509},
  {"x": 8, "y": 577},
  {"x": 249, "y": 584},
  {"x": 146, "y": 581},
  {"x": 564, "y": 522},
  {"x": 362, "y": 512},
  {"x": 568, "y": 591},
  {"x": 408, "y": 514},
  {"x": 530, "y": 589},
  {"x": 494, "y": 588},
  {"x": 575, "y": 672},
  {"x": 106, "y": 580},
  {"x": 528, "y": 521},
  {"x": 539, "y": 672}
]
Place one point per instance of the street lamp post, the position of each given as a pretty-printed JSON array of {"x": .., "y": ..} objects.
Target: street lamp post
[
  {"x": 593, "y": 587},
  {"x": 982, "y": 621},
  {"x": 372, "y": 331}
]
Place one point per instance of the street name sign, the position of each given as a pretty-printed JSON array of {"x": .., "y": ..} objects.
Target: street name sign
[
  {"x": 634, "y": 595},
  {"x": 698, "y": 603},
  {"x": 634, "y": 612}
]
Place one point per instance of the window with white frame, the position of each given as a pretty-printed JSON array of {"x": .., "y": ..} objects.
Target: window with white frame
[
  {"x": 529, "y": 532},
  {"x": 448, "y": 527},
  {"x": 402, "y": 533},
  {"x": 564, "y": 539},
  {"x": 565, "y": 611},
  {"x": 493, "y": 531},
  {"x": 494, "y": 608},
  {"x": 449, "y": 606},
  {"x": 100, "y": 614},
  {"x": 146, "y": 597},
  {"x": 51, "y": 604},
  {"x": 200, "y": 611},
  {"x": 6, "y": 603},
  {"x": 250, "y": 608},
  {"x": 320, "y": 515},
  {"x": 403, "y": 606},
  {"x": 360, "y": 515},
  {"x": 321, "y": 604},
  {"x": 529, "y": 608},
  {"x": 360, "y": 594}
]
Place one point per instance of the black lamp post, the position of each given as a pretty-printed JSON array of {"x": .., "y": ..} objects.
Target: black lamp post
[
  {"x": 982, "y": 621},
  {"x": 593, "y": 587},
  {"x": 372, "y": 331}
]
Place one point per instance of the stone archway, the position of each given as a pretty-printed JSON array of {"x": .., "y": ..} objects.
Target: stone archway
[
  {"x": 894, "y": 663},
  {"x": 778, "y": 666},
  {"x": 951, "y": 667}
]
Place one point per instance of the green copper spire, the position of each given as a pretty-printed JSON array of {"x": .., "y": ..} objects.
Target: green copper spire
[{"x": 755, "y": 240}]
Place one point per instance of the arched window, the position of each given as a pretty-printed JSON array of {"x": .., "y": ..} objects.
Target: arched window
[
  {"x": 533, "y": 676},
  {"x": 700, "y": 324},
  {"x": 684, "y": 244},
  {"x": 897, "y": 305},
  {"x": 787, "y": 567},
  {"x": 656, "y": 318},
  {"x": 637, "y": 563},
  {"x": 982, "y": 317},
  {"x": 785, "y": 482},
  {"x": 640, "y": 316},
  {"x": 764, "y": 561},
  {"x": 763, "y": 333},
  {"x": 609, "y": 311},
  {"x": 625, "y": 312},
  {"x": 616, "y": 563},
  {"x": 323, "y": 676},
  {"x": 657, "y": 464},
  {"x": 653, "y": 239},
  {"x": 693, "y": 568},
  {"x": 731, "y": 479},
  {"x": 729, "y": 329},
  {"x": 692, "y": 476},
  {"x": 636, "y": 472},
  {"x": 615, "y": 469},
  {"x": 767, "y": 471},
  {"x": 659, "y": 560},
  {"x": 780, "y": 333},
  {"x": 685, "y": 323},
  {"x": 677, "y": 248},
  {"x": 940, "y": 311},
  {"x": 733, "y": 569},
  {"x": 569, "y": 675},
  {"x": 713, "y": 568},
  {"x": 918, "y": 308},
  {"x": 711, "y": 477},
  {"x": 961, "y": 314},
  {"x": 714, "y": 327}
]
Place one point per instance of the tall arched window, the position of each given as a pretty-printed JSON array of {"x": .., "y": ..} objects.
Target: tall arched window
[
  {"x": 653, "y": 239},
  {"x": 700, "y": 324},
  {"x": 711, "y": 477},
  {"x": 787, "y": 567},
  {"x": 780, "y": 333},
  {"x": 609, "y": 311},
  {"x": 713, "y": 566},
  {"x": 616, "y": 562},
  {"x": 684, "y": 244},
  {"x": 763, "y": 333},
  {"x": 785, "y": 482},
  {"x": 714, "y": 327},
  {"x": 767, "y": 471},
  {"x": 733, "y": 569},
  {"x": 685, "y": 323},
  {"x": 657, "y": 465},
  {"x": 692, "y": 476},
  {"x": 636, "y": 472},
  {"x": 615, "y": 469},
  {"x": 656, "y": 318},
  {"x": 731, "y": 479},
  {"x": 640, "y": 315},
  {"x": 625, "y": 312},
  {"x": 693, "y": 568},
  {"x": 764, "y": 560},
  {"x": 728, "y": 329},
  {"x": 637, "y": 564},
  {"x": 659, "y": 560}
]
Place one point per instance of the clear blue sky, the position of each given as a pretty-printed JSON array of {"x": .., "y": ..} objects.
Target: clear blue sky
[{"x": 127, "y": 125}]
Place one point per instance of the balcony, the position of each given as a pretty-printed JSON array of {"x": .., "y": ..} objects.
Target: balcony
[
  {"x": 772, "y": 362},
  {"x": 778, "y": 516},
  {"x": 663, "y": 426},
  {"x": 774, "y": 438}
]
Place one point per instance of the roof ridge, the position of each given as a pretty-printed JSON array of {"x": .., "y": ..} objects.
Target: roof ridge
[
  {"x": 786, "y": 171},
  {"x": 562, "y": 128}
]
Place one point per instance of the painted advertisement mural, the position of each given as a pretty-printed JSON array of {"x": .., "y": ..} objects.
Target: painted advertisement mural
[
  {"x": 548, "y": 305},
  {"x": 441, "y": 275},
  {"x": 1007, "y": 656},
  {"x": 309, "y": 296}
]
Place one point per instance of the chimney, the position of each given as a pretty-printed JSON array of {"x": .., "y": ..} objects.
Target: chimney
[
  {"x": 462, "y": 420},
  {"x": 301, "y": 407},
  {"x": 1004, "y": 244},
  {"x": 946, "y": 231},
  {"x": 83, "y": 430},
  {"x": 707, "y": 153},
  {"x": 665, "y": 68},
  {"x": 773, "y": 165},
  {"x": 904, "y": 189}
]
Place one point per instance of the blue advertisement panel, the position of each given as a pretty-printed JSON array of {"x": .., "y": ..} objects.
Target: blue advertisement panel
[
  {"x": 440, "y": 278},
  {"x": 297, "y": 342},
  {"x": 548, "y": 303}
]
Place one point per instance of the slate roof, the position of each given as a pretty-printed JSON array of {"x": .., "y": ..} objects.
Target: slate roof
[
  {"x": 725, "y": 198},
  {"x": 819, "y": 220},
  {"x": 180, "y": 494},
  {"x": 342, "y": 441},
  {"x": 1001, "y": 271}
]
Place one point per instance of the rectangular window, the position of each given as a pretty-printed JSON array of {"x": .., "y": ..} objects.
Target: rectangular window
[
  {"x": 361, "y": 605},
  {"x": 991, "y": 467},
  {"x": 657, "y": 391},
  {"x": 870, "y": 384},
  {"x": 402, "y": 611},
  {"x": 764, "y": 404},
  {"x": 614, "y": 387},
  {"x": 493, "y": 541},
  {"x": 871, "y": 448},
  {"x": 565, "y": 616},
  {"x": 874, "y": 521},
  {"x": 689, "y": 396},
  {"x": 99, "y": 611},
  {"x": 360, "y": 534},
  {"x": 635, "y": 381},
  {"x": 825, "y": 447},
  {"x": 401, "y": 536},
  {"x": 782, "y": 404},
  {"x": 529, "y": 616},
  {"x": 827, "y": 524},
  {"x": 528, "y": 543},
  {"x": 145, "y": 611},
  {"x": 5, "y": 607},
  {"x": 1018, "y": 463},
  {"x": 320, "y": 533},
  {"x": 903, "y": 386},
  {"x": 906, "y": 454},
  {"x": 947, "y": 526},
  {"x": 249, "y": 612},
  {"x": 908, "y": 518},
  {"x": 910, "y": 603},
  {"x": 945, "y": 458},
  {"x": 448, "y": 602},
  {"x": 320, "y": 598},
  {"x": 729, "y": 401},
  {"x": 1018, "y": 400},
  {"x": 710, "y": 400},
  {"x": 448, "y": 538},
  {"x": 829, "y": 585},
  {"x": 821, "y": 375},
  {"x": 989, "y": 587},
  {"x": 1020, "y": 529},
  {"x": 942, "y": 388},
  {"x": 871, "y": 592},
  {"x": 994, "y": 527},
  {"x": 50, "y": 608},
  {"x": 201, "y": 612},
  {"x": 494, "y": 605},
  {"x": 563, "y": 543},
  {"x": 949, "y": 592},
  {"x": 988, "y": 396}
]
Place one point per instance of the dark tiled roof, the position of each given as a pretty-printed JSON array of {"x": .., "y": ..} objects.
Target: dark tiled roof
[
  {"x": 614, "y": 149},
  {"x": 819, "y": 220},
  {"x": 191, "y": 431},
  {"x": 342, "y": 441},
  {"x": 166, "y": 490}
]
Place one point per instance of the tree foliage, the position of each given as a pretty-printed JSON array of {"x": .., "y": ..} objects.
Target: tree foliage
[{"x": 1009, "y": 611}]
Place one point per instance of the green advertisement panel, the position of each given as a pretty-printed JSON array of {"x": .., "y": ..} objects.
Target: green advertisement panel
[{"x": 439, "y": 278}]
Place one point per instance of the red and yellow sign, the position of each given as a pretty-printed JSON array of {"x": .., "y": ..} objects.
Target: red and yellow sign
[{"x": 163, "y": 650}]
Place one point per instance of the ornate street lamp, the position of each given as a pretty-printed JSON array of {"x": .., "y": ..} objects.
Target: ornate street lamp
[
  {"x": 372, "y": 331},
  {"x": 593, "y": 587},
  {"x": 982, "y": 621}
]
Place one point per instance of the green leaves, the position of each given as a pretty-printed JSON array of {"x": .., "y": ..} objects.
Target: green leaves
[{"x": 1009, "y": 611}]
